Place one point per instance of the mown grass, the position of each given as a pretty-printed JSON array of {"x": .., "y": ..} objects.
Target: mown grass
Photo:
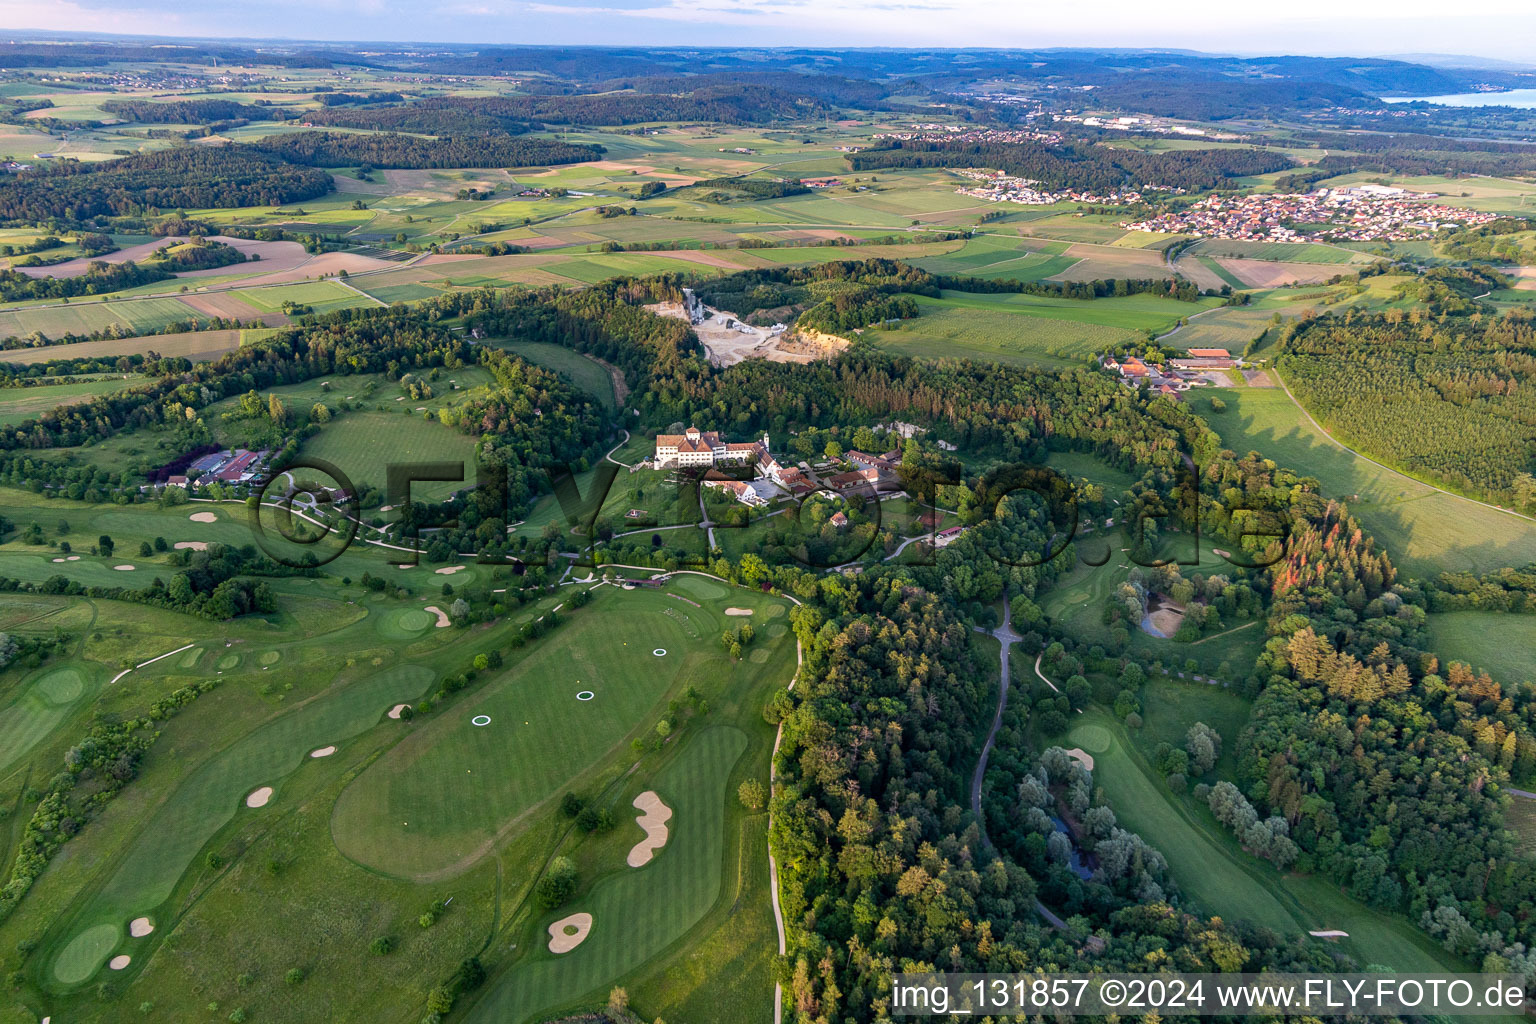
[
  {"x": 1500, "y": 643},
  {"x": 1422, "y": 529}
]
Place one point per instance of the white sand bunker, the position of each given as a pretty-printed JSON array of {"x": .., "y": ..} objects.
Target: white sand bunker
[
  {"x": 1082, "y": 757},
  {"x": 569, "y": 932},
  {"x": 195, "y": 545},
  {"x": 442, "y": 616},
  {"x": 394, "y": 712},
  {"x": 323, "y": 752},
  {"x": 738, "y": 611},
  {"x": 120, "y": 961},
  {"x": 654, "y": 821},
  {"x": 123, "y": 568},
  {"x": 204, "y": 517},
  {"x": 448, "y": 570},
  {"x": 140, "y": 927},
  {"x": 259, "y": 797}
]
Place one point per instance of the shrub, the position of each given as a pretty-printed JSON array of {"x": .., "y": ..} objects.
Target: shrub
[
  {"x": 382, "y": 946},
  {"x": 557, "y": 885}
]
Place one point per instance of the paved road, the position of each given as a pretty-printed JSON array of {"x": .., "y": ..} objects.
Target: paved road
[{"x": 1008, "y": 637}]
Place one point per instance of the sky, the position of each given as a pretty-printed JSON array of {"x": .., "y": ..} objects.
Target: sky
[{"x": 1500, "y": 29}]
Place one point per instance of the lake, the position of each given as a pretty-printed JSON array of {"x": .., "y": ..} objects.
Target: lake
[{"x": 1512, "y": 98}]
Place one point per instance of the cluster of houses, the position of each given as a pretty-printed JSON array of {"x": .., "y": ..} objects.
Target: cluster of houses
[
  {"x": 1359, "y": 213},
  {"x": 871, "y": 475},
  {"x": 970, "y": 133},
  {"x": 1178, "y": 375},
  {"x": 997, "y": 187},
  {"x": 231, "y": 466}
]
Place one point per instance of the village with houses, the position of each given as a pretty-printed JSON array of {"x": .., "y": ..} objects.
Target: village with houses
[{"x": 1356, "y": 213}]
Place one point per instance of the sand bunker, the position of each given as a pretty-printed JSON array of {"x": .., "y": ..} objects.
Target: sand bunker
[
  {"x": 394, "y": 712},
  {"x": 140, "y": 927},
  {"x": 569, "y": 932},
  {"x": 1082, "y": 757},
  {"x": 123, "y": 568},
  {"x": 448, "y": 570},
  {"x": 442, "y": 616},
  {"x": 195, "y": 545},
  {"x": 654, "y": 821},
  {"x": 323, "y": 752},
  {"x": 738, "y": 611},
  {"x": 259, "y": 798},
  {"x": 203, "y": 517},
  {"x": 120, "y": 961}
]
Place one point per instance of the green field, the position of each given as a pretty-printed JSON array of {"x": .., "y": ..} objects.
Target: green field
[
  {"x": 1422, "y": 529},
  {"x": 148, "y": 872},
  {"x": 580, "y": 370},
  {"x": 1027, "y": 329},
  {"x": 1210, "y": 867},
  {"x": 364, "y": 444},
  {"x": 638, "y": 912},
  {"x": 1502, "y": 644},
  {"x": 439, "y": 800},
  {"x": 1279, "y": 252},
  {"x": 18, "y": 405}
]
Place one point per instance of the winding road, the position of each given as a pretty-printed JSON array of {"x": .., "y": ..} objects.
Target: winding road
[{"x": 1008, "y": 638}]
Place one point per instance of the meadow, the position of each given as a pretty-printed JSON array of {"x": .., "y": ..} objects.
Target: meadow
[
  {"x": 364, "y": 444},
  {"x": 1424, "y": 530},
  {"x": 18, "y": 405},
  {"x": 1504, "y": 645}
]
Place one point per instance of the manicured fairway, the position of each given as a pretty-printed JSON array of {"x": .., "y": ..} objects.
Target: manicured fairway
[
  {"x": 171, "y": 837},
  {"x": 364, "y": 444},
  {"x": 40, "y": 705},
  {"x": 438, "y": 800},
  {"x": 1201, "y": 867},
  {"x": 639, "y": 912}
]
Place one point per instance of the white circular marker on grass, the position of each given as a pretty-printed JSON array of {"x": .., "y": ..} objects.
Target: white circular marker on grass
[
  {"x": 660, "y": 652},
  {"x": 259, "y": 797},
  {"x": 480, "y": 720},
  {"x": 585, "y": 695}
]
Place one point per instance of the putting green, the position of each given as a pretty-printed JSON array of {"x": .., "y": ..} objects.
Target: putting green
[
  {"x": 1076, "y": 597},
  {"x": 1093, "y": 738},
  {"x": 270, "y": 657},
  {"x": 404, "y": 623},
  {"x": 699, "y": 588},
  {"x": 86, "y": 953},
  {"x": 189, "y": 659},
  {"x": 777, "y": 630},
  {"x": 773, "y": 611},
  {"x": 229, "y": 661},
  {"x": 759, "y": 655},
  {"x": 61, "y": 686}
]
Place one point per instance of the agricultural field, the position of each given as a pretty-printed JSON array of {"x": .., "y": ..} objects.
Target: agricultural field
[
  {"x": 1279, "y": 252},
  {"x": 18, "y": 405}
]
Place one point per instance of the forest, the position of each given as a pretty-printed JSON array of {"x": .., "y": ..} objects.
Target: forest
[
  {"x": 1080, "y": 165},
  {"x": 1446, "y": 398},
  {"x": 202, "y": 176},
  {"x": 347, "y": 149}
]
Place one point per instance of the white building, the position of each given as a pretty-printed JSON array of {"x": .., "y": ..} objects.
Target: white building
[{"x": 695, "y": 447}]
